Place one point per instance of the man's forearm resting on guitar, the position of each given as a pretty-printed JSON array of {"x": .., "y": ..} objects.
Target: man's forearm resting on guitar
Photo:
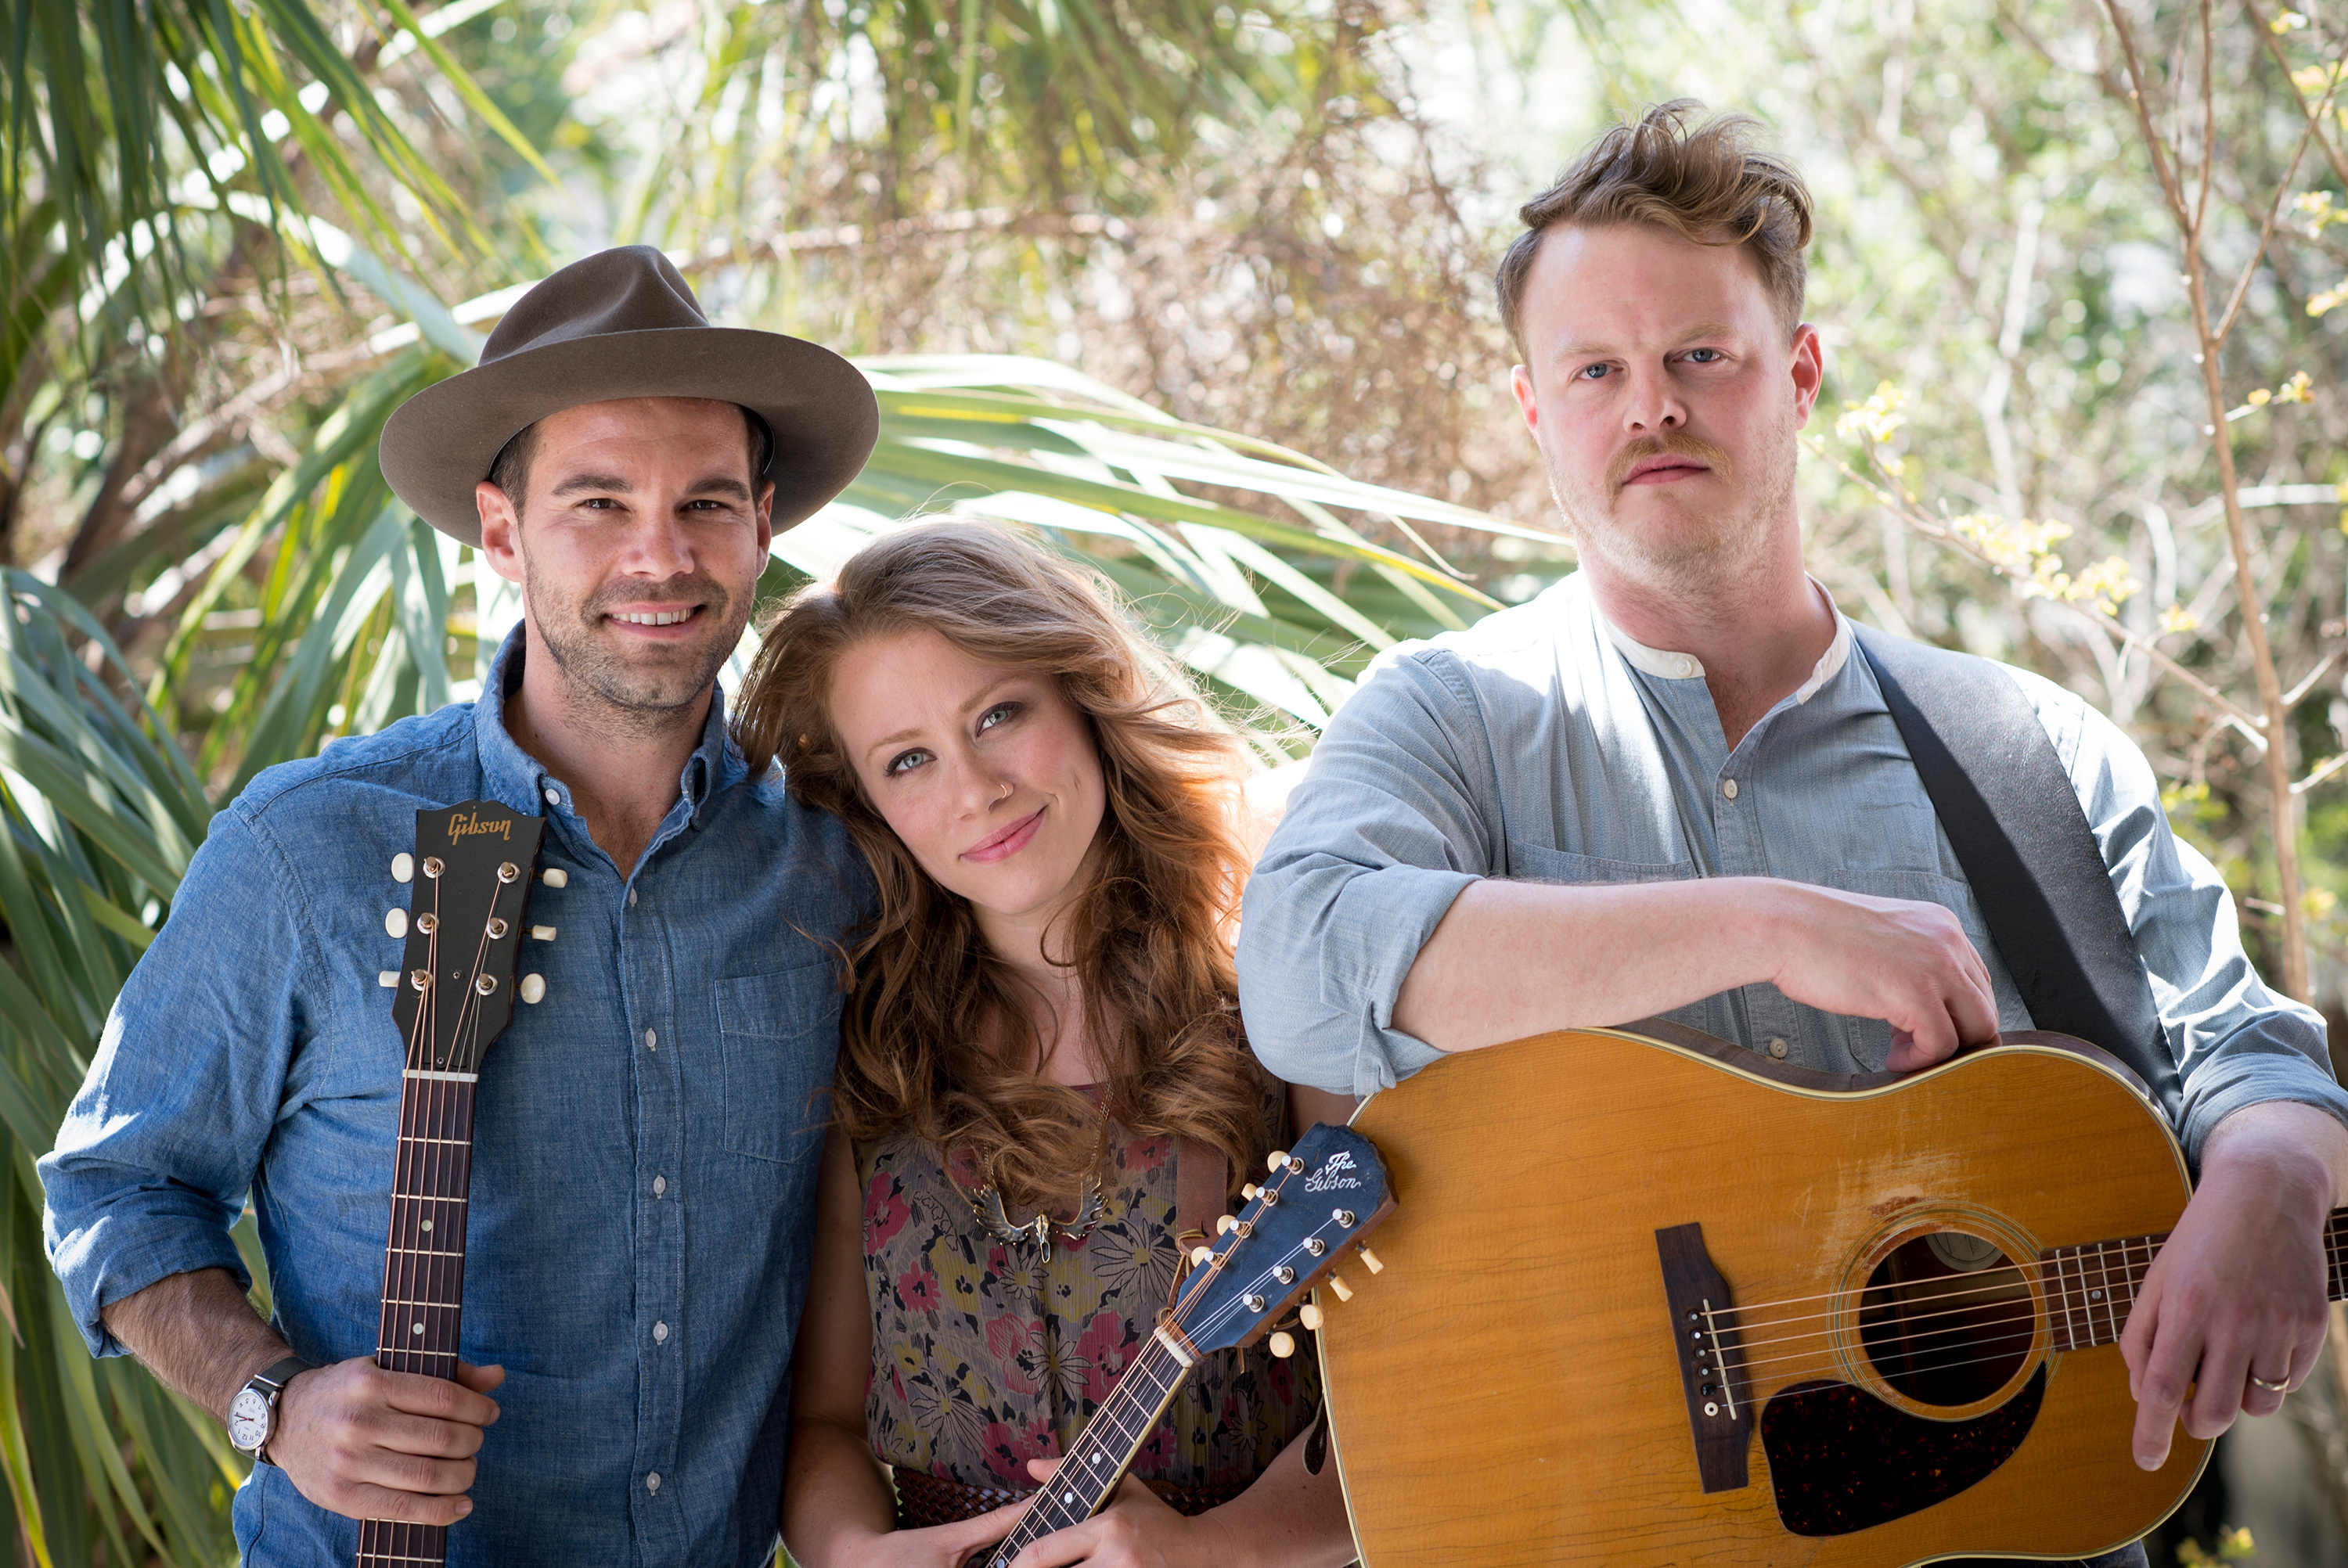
[
  {"x": 1516, "y": 959},
  {"x": 352, "y": 1437}
]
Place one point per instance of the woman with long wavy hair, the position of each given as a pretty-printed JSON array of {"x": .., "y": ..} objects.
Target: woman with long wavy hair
[{"x": 1042, "y": 1078}]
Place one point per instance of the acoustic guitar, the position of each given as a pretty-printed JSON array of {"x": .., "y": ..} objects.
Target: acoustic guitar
[
  {"x": 469, "y": 884},
  {"x": 1651, "y": 1299},
  {"x": 1319, "y": 1200}
]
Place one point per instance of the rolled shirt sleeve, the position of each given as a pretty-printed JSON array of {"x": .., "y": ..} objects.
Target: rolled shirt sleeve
[
  {"x": 2236, "y": 1042},
  {"x": 152, "y": 1163},
  {"x": 1378, "y": 840}
]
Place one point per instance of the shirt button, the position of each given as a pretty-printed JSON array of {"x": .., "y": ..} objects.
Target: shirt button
[
  {"x": 651, "y": 1041},
  {"x": 1687, "y": 667},
  {"x": 1778, "y": 1048},
  {"x": 632, "y": 898},
  {"x": 660, "y": 1333},
  {"x": 659, "y": 1183},
  {"x": 652, "y": 1481},
  {"x": 554, "y": 797},
  {"x": 1728, "y": 788}
]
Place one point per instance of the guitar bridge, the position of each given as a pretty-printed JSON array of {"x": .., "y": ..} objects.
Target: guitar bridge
[{"x": 1705, "y": 1344}]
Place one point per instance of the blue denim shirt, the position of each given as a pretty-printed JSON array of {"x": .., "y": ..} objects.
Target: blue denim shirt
[
  {"x": 1543, "y": 744},
  {"x": 646, "y": 1142}
]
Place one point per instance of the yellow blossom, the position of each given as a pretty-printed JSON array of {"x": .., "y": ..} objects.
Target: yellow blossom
[
  {"x": 1876, "y": 418},
  {"x": 2287, "y": 22},
  {"x": 2175, "y": 618},
  {"x": 2318, "y": 902},
  {"x": 2330, "y": 299},
  {"x": 2319, "y": 210},
  {"x": 2295, "y": 390}
]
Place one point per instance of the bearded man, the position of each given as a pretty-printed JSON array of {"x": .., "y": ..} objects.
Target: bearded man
[
  {"x": 1671, "y": 785},
  {"x": 647, "y": 1136}
]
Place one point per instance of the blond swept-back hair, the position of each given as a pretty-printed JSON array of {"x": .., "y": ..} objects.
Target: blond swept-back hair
[
  {"x": 1714, "y": 184},
  {"x": 933, "y": 1039}
]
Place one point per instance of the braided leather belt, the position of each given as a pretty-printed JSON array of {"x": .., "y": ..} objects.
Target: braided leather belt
[{"x": 925, "y": 1500}]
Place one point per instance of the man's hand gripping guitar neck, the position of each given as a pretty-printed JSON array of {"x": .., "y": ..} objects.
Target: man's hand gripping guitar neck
[{"x": 352, "y": 1437}]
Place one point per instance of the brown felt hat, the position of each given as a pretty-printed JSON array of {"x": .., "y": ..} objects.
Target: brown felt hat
[{"x": 623, "y": 323}]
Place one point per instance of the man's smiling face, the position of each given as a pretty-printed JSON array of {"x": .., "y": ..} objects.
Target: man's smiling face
[
  {"x": 1665, "y": 395},
  {"x": 640, "y": 541}
]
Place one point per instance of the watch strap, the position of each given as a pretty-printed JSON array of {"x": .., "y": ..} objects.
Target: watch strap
[{"x": 277, "y": 1374}]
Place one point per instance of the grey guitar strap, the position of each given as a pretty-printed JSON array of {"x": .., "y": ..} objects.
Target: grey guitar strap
[{"x": 2017, "y": 828}]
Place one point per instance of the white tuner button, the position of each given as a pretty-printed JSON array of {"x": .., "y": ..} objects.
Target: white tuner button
[
  {"x": 403, "y": 869},
  {"x": 542, "y": 933},
  {"x": 395, "y": 922},
  {"x": 1281, "y": 1344},
  {"x": 555, "y": 877},
  {"x": 534, "y": 987},
  {"x": 1309, "y": 1315},
  {"x": 388, "y": 979}
]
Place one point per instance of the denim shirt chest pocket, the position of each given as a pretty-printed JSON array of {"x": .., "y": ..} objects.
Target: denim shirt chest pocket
[{"x": 778, "y": 1037}]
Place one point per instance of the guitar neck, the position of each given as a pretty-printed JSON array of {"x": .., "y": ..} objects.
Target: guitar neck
[
  {"x": 424, "y": 1270},
  {"x": 2092, "y": 1287},
  {"x": 1092, "y": 1468}
]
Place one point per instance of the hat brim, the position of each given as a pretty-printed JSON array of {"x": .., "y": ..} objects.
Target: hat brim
[{"x": 439, "y": 445}]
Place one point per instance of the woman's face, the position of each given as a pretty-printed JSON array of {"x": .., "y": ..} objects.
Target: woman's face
[{"x": 988, "y": 774}]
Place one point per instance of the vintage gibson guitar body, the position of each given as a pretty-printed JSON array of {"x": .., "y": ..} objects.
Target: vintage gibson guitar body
[{"x": 1659, "y": 1301}]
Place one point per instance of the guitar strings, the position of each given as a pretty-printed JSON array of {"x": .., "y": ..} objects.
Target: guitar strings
[
  {"x": 2090, "y": 1309},
  {"x": 2048, "y": 1273}
]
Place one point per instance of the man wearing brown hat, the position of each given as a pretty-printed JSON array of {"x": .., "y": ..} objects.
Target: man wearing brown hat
[{"x": 646, "y": 1136}]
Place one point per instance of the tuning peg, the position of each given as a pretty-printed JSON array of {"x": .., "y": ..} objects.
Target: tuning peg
[
  {"x": 542, "y": 933},
  {"x": 395, "y": 922},
  {"x": 387, "y": 979},
  {"x": 1227, "y": 1224},
  {"x": 1249, "y": 1190},
  {"x": 403, "y": 869},
  {"x": 1370, "y": 1260},
  {"x": 1281, "y": 1344},
  {"x": 1275, "y": 1160},
  {"x": 1345, "y": 1292},
  {"x": 533, "y": 987},
  {"x": 555, "y": 877},
  {"x": 1199, "y": 1254},
  {"x": 1309, "y": 1315}
]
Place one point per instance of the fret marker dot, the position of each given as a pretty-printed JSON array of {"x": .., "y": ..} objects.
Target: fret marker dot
[
  {"x": 428, "y": 1224},
  {"x": 1069, "y": 1498},
  {"x": 416, "y": 1328}
]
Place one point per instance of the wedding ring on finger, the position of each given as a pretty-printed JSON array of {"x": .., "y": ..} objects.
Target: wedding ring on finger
[{"x": 2281, "y": 1388}]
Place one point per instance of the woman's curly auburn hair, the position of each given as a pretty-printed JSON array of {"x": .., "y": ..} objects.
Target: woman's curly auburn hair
[{"x": 933, "y": 1038}]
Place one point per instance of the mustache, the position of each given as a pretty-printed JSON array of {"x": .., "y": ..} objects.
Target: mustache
[{"x": 1677, "y": 444}]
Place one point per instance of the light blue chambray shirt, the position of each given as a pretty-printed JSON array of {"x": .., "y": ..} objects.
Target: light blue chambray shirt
[
  {"x": 646, "y": 1147},
  {"x": 1545, "y": 745}
]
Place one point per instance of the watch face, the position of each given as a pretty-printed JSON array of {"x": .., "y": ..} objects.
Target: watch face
[{"x": 248, "y": 1420}]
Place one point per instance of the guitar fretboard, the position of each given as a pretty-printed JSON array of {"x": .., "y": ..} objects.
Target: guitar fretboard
[
  {"x": 2092, "y": 1287},
  {"x": 424, "y": 1271},
  {"x": 1089, "y": 1472}
]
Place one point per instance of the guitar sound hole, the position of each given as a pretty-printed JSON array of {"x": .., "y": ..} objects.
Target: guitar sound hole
[{"x": 1946, "y": 1318}]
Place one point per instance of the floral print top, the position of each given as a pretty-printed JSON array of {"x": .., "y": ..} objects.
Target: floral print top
[{"x": 985, "y": 1356}]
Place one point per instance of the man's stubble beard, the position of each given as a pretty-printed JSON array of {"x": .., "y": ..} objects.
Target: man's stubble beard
[
  {"x": 632, "y": 699},
  {"x": 1693, "y": 562}
]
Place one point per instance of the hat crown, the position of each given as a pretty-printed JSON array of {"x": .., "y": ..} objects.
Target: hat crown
[{"x": 629, "y": 288}]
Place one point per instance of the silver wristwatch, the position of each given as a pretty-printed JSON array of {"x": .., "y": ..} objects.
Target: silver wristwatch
[{"x": 253, "y": 1414}]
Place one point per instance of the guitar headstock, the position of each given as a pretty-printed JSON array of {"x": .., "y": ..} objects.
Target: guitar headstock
[
  {"x": 1320, "y": 1200},
  {"x": 468, "y": 905}
]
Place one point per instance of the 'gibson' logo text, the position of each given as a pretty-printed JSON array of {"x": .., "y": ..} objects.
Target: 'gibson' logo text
[
  {"x": 1331, "y": 1176},
  {"x": 470, "y": 825}
]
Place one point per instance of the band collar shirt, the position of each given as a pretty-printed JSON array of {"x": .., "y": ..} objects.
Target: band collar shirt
[
  {"x": 1543, "y": 744},
  {"x": 646, "y": 1138}
]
